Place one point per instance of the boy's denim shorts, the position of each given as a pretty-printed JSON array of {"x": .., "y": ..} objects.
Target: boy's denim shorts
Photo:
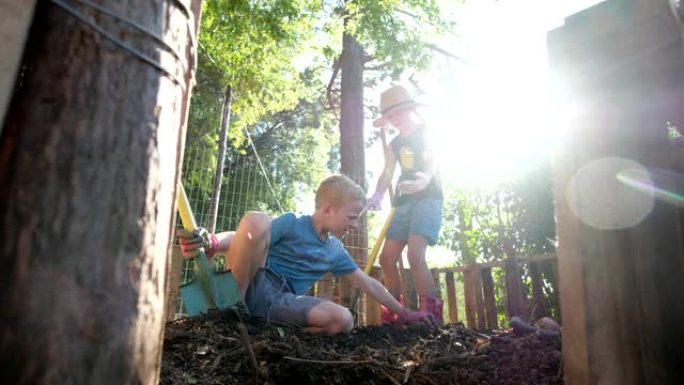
[
  {"x": 269, "y": 298},
  {"x": 422, "y": 217}
]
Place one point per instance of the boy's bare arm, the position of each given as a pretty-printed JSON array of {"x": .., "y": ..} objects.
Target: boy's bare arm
[
  {"x": 375, "y": 289},
  {"x": 224, "y": 238}
]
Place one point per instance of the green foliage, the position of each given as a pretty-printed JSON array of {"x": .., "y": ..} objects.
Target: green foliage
[
  {"x": 252, "y": 46},
  {"x": 476, "y": 223},
  {"x": 397, "y": 32}
]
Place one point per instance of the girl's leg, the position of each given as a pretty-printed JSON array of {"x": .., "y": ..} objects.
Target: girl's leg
[
  {"x": 248, "y": 248},
  {"x": 389, "y": 260},
  {"x": 425, "y": 287},
  {"x": 417, "y": 244}
]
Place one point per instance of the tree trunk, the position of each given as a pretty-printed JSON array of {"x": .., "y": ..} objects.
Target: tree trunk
[
  {"x": 352, "y": 149},
  {"x": 15, "y": 21},
  {"x": 89, "y": 159}
]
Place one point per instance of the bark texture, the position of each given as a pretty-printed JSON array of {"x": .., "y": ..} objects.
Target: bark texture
[{"x": 89, "y": 158}]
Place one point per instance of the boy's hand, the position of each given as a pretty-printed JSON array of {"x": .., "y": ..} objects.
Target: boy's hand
[
  {"x": 191, "y": 243},
  {"x": 415, "y": 317},
  {"x": 375, "y": 202},
  {"x": 413, "y": 186}
]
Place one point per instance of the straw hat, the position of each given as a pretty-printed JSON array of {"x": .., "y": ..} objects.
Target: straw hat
[{"x": 391, "y": 99}]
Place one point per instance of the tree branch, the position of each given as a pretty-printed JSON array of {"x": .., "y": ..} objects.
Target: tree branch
[
  {"x": 328, "y": 90},
  {"x": 443, "y": 51}
]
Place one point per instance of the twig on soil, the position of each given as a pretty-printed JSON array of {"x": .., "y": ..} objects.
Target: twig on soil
[
  {"x": 407, "y": 373},
  {"x": 473, "y": 332},
  {"x": 339, "y": 362},
  {"x": 426, "y": 378},
  {"x": 244, "y": 337},
  {"x": 389, "y": 376}
]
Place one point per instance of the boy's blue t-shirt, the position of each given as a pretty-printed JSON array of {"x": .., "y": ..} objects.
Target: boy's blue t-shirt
[{"x": 301, "y": 257}]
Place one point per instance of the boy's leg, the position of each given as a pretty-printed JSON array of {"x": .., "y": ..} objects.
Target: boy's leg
[
  {"x": 248, "y": 249},
  {"x": 330, "y": 318}
]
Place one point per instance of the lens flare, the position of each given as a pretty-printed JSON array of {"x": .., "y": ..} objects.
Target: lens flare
[{"x": 602, "y": 193}]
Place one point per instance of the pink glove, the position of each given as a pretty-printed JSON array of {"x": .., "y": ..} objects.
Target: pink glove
[
  {"x": 191, "y": 243},
  {"x": 408, "y": 317},
  {"x": 413, "y": 186},
  {"x": 375, "y": 202}
]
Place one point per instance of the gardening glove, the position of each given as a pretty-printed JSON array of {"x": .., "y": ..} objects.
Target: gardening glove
[
  {"x": 375, "y": 202},
  {"x": 413, "y": 186},
  {"x": 408, "y": 317},
  {"x": 193, "y": 242}
]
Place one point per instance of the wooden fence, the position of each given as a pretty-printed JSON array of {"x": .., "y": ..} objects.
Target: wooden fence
[{"x": 479, "y": 293}]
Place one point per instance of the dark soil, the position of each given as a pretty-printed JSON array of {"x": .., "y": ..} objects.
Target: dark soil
[{"x": 219, "y": 349}]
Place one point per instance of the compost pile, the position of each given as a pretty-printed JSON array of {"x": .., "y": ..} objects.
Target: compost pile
[{"x": 220, "y": 349}]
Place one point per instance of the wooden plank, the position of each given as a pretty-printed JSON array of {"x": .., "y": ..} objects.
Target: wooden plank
[
  {"x": 500, "y": 262},
  {"x": 479, "y": 299},
  {"x": 468, "y": 293},
  {"x": 451, "y": 297},
  {"x": 412, "y": 300},
  {"x": 490, "y": 301},
  {"x": 325, "y": 288},
  {"x": 15, "y": 20},
  {"x": 622, "y": 293},
  {"x": 174, "y": 283},
  {"x": 538, "y": 300},
  {"x": 372, "y": 306},
  {"x": 438, "y": 286},
  {"x": 517, "y": 304}
]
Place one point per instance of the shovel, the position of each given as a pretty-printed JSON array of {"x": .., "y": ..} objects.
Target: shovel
[
  {"x": 369, "y": 264},
  {"x": 209, "y": 289}
]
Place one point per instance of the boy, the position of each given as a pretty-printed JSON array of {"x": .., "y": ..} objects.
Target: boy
[{"x": 275, "y": 262}]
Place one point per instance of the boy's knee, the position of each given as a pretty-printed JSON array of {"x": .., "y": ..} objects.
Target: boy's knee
[
  {"x": 331, "y": 317},
  {"x": 345, "y": 322},
  {"x": 256, "y": 223}
]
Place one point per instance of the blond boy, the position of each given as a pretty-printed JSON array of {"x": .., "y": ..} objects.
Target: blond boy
[{"x": 275, "y": 262}]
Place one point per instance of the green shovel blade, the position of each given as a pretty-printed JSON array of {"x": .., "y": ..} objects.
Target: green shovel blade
[{"x": 223, "y": 289}]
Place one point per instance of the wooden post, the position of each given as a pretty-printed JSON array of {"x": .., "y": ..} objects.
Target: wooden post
[
  {"x": 538, "y": 300},
  {"x": 15, "y": 20},
  {"x": 174, "y": 283},
  {"x": 517, "y": 304},
  {"x": 479, "y": 299},
  {"x": 412, "y": 300},
  {"x": 438, "y": 286},
  {"x": 621, "y": 254},
  {"x": 489, "y": 300},
  {"x": 469, "y": 294},
  {"x": 451, "y": 297},
  {"x": 325, "y": 288},
  {"x": 372, "y": 306},
  {"x": 84, "y": 296}
]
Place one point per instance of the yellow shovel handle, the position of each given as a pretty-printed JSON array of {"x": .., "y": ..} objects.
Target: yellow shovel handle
[
  {"x": 376, "y": 247},
  {"x": 184, "y": 209}
]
